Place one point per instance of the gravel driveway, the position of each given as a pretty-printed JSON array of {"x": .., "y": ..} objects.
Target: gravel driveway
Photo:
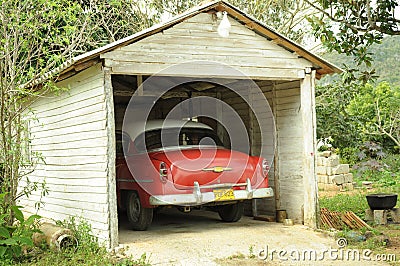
[{"x": 200, "y": 238}]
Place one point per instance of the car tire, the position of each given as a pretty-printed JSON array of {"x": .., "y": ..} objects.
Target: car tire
[
  {"x": 231, "y": 213},
  {"x": 139, "y": 218}
]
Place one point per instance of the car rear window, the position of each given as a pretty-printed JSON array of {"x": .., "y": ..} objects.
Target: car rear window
[{"x": 176, "y": 137}]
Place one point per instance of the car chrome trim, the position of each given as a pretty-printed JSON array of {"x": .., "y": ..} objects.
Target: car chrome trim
[
  {"x": 199, "y": 198},
  {"x": 224, "y": 185}
]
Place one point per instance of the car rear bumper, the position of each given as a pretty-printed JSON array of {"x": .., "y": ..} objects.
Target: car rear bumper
[{"x": 199, "y": 198}]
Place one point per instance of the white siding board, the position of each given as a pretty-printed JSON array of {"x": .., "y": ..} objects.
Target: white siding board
[
  {"x": 76, "y": 204},
  {"x": 87, "y": 196},
  {"x": 76, "y": 112},
  {"x": 232, "y": 60},
  {"x": 79, "y": 140},
  {"x": 204, "y": 70},
  {"x": 71, "y": 121},
  {"x": 76, "y": 136},
  {"x": 75, "y": 189},
  {"x": 76, "y": 160},
  {"x": 76, "y": 182},
  {"x": 88, "y": 84},
  {"x": 193, "y": 49},
  {"x": 70, "y": 106},
  {"x": 75, "y": 167},
  {"x": 83, "y": 127}
]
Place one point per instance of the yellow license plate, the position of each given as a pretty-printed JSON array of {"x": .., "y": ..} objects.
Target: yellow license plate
[{"x": 223, "y": 194}]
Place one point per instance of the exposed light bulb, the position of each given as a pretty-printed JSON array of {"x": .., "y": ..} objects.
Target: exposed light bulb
[{"x": 224, "y": 26}]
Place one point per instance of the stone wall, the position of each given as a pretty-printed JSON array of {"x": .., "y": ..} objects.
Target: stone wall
[{"x": 331, "y": 174}]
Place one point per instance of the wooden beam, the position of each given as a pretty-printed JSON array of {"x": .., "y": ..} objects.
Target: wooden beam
[{"x": 170, "y": 94}]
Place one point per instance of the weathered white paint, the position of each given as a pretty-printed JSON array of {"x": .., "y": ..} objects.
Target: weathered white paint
[
  {"x": 197, "y": 39},
  {"x": 309, "y": 137},
  {"x": 111, "y": 159},
  {"x": 72, "y": 134}
]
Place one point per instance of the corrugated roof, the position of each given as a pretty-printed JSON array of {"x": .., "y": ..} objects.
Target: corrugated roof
[{"x": 324, "y": 67}]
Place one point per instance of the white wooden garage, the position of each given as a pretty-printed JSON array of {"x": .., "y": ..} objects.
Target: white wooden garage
[{"x": 75, "y": 131}]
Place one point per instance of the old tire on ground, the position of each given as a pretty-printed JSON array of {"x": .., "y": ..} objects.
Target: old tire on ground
[
  {"x": 231, "y": 213},
  {"x": 140, "y": 218}
]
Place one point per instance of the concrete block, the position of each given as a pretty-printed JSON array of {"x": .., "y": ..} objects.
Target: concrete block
[
  {"x": 369, "y": 215},
  {"x": 332, "y": 161},
  {"x": 326, "y": 154},
  {"x": 320, "y": 161},
  {"x": 380, "y": 217},
  {"x": 367, "y": 184},
  {"x": 323, "y": 179},
  {"x": 329, "y": 170},
  {"x": 348, "y": 186},
  {"x": 321, "y": 170},
  {"x": 348, "y": 178},
  {"x": 329, "y": 187},
  {"x": 341, "y": 169},
  {"x": 395, "y": 214},
  {"x": 336, "y": 179}
]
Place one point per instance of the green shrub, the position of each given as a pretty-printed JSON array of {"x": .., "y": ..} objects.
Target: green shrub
[
  {"x": 83, "y": 232},
  {"x": 88, "y": 252},
  {"x": 13, "y": 238}
]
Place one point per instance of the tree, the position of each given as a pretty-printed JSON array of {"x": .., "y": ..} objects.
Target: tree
[
  {"x": 115, "y": 19},
  {"x": 36, "y": 37},
  {"x": 333, "y": 118},
  {"x": 377, "y": 109},
  {"x": 351, "y": 27}
]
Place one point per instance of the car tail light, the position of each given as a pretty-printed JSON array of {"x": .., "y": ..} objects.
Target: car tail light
[
  {"x": 265, "y": 167},
  {"x": 163, "y": 172}
]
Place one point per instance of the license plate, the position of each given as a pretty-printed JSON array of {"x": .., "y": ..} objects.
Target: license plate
[{"x": 223, "y": 194}]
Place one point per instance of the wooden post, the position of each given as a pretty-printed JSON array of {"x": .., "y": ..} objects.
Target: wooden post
[
  {"x": 139, "y": 85},
  {"x": 111, "y": 183},
  {"x": 307, "y": 87},
  {"x": 276, "y": 155}
]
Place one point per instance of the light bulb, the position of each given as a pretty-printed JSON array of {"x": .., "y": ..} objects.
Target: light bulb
[{"x": 224, "y": 27}]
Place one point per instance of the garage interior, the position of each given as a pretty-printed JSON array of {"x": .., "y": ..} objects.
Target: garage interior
[{"x": 284, "y": 100}]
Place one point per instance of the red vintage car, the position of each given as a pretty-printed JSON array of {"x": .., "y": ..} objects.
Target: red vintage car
[{"x": 184, "y": 164}]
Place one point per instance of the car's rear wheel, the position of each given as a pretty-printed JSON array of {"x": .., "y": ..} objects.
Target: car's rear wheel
[
  {"x": 140, "y": 218},
  {"x": 231, "y": 213}
]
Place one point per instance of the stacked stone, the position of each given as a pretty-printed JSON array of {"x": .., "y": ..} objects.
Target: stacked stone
[{"x": 331, "y": 174}]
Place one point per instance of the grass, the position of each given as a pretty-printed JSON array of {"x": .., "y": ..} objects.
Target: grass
[
  {"x": 356, "y": 202},
  {"x": 88, "y": 252}
]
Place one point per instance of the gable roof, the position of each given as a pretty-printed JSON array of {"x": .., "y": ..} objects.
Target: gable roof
[{"x": 83, "y": 61}]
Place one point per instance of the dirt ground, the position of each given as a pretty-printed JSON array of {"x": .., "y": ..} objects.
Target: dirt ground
[{"x": 200, "y": 238}]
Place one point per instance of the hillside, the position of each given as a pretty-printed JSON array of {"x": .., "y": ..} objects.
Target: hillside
[{"x": 386, "y": 60}]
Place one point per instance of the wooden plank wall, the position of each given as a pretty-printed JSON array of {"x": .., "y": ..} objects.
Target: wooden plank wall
[
  {"x": 282, "y": 141},
  {"x": 70, "y": 133},
  {"x": 197, "y": 39},
  {"x": 290, "y": 149}
]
